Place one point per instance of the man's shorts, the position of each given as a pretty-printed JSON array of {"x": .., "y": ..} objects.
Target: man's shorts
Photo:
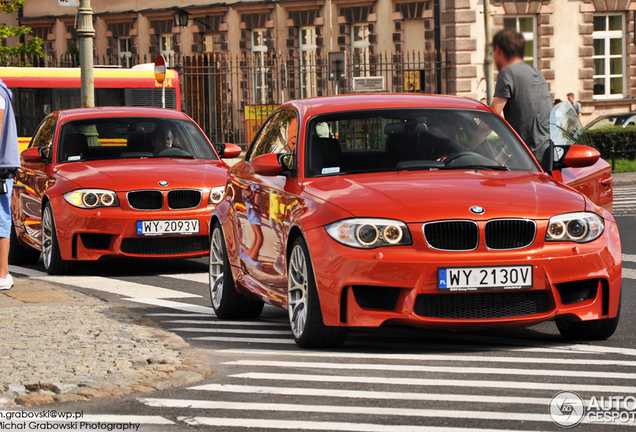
[{"x": 5, "y": 211}]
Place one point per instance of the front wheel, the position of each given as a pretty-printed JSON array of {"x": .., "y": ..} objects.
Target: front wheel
[
  {"x": 53, "y": 262},
  {"x": 305, "y": 316},
  {"x": 588, "y": 330},
  {"x": 226, "y": 301}
]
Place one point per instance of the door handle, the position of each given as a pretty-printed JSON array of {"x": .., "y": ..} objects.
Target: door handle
[{"x": 606, "y": 181}]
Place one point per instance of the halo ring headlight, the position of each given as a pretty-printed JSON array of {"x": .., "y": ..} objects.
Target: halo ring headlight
[{"x": 367, "y": 234}]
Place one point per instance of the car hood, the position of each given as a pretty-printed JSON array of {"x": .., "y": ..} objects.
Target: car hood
[
  {"x": 131, "y": 174},
  {"x": 420, "y": 196}
]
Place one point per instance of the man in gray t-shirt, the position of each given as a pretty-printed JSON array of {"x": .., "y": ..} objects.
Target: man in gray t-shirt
[{"x": 521, "y": 93}]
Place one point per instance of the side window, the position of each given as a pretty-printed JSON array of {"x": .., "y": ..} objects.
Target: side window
[
  {"x": 44, "y": 135},
  {"x": 260, "y": 143},
  {"x": 284, "y": 134}
]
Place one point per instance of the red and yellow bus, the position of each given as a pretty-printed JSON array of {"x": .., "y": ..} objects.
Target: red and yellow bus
[{"x": 40, "y": 91}]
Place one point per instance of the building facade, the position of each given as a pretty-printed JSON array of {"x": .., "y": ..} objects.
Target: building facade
[{"x": 581, "y": 46}]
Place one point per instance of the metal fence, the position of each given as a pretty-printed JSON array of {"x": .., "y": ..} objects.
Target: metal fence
[{"x": 230, "y": 96}]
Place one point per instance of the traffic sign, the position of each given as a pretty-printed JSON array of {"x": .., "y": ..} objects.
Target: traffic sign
[
  {"x": 160, "y": 68},
  {"x": 68, "y": 3}
]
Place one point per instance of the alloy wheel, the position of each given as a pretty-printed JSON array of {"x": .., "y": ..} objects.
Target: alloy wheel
[
  {"x": 47, "y": 237},
  {"x": 217, "y": 258},
  {"x": 297, "y": 291}
]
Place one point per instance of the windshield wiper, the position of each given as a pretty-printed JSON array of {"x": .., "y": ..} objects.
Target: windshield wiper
[{"x": 478, "y": 167}]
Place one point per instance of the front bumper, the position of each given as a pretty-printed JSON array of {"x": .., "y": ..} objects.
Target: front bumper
[
  {"x": 91, "y": 234},
  {"x": 365, "y": 288}
]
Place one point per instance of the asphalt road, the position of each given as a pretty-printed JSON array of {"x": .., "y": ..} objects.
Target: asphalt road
[{"x": 388, "y": 379}]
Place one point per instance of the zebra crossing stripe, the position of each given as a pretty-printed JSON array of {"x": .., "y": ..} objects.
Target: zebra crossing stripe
[
  {"x": 245, "y": 340},
  {"x": 627, "y": 257},
  {"x": 317, "y": 425},
  {"x": 433, "y": 382},
  {"x": 434, "y": 369},
  {"x": 629, "y": 273},
  {"x": 230, "y": 330},
  {"x": 231, "y": 323},
  {"x": 340, "y": 409},
  {"x": 173, "y": 305},
  {"x": 431, "y": 357},
  {"x": 362, "y": 394},
  {"x": 203, "y": 278}
]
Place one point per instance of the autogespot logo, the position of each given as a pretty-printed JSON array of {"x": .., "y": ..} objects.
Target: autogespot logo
[{"x": 567, "y": 409}]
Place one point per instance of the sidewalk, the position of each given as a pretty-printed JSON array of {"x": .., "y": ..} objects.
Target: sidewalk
[
  {"x": 624, "y": 179},
  {"x": 59, "y": 345}
]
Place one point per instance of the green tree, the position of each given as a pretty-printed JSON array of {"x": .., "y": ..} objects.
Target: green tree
[{"x": 19, "y": 51}]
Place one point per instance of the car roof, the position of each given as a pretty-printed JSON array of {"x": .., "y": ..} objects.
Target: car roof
[
  {"x": 99, "y": 112},
  {"x": 352, "y": 102}
]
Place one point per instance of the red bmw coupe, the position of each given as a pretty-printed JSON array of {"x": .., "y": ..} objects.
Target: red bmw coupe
[
  {"x": 138, "y": 182},
  {"x": 430, "y": 211}
]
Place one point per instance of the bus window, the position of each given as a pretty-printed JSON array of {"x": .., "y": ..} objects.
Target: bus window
[
  {"x": 34, "y": 104},
  {"x": 109, "y": 97},
  {"x": 66, "y": 98}
]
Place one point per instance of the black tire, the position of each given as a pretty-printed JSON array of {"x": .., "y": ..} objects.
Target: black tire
[
  {"x": 20, "y": 254},
  {"x": 312, "y": 333},
  {"x": 53, "y": 262},
  {"x": 227, "y": 302},
  {"x": 588, "y": 330}
]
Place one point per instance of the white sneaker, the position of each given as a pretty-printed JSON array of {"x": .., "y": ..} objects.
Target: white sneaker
[{"x": 6, "y": 283}]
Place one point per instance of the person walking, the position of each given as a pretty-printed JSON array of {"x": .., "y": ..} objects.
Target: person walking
[
  {"x": 9, "y": 162},
  {"x": 522, "y": 94},
  {"x": 575, "y": 104}
]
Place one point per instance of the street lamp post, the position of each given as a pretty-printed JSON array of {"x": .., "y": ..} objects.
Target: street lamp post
[{"x": 85, "y": 31}]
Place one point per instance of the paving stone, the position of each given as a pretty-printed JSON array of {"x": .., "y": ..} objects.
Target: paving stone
[{"x": 34, "y": 399}]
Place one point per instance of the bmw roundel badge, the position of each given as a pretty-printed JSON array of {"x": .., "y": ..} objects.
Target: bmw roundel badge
[
  {"x": 478, "y": 210},
  {"x": 163, "y": 183}
]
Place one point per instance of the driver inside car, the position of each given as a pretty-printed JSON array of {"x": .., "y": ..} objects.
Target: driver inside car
[{"x": 161, "y": 139}]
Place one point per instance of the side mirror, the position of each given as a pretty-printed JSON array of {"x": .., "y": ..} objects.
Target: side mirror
[
  {"x": 580, "y": 156},
  {"x": 227, "y": 151},
  {"x": 35, "y": 154},
  {"x": 268, "y": 165}
]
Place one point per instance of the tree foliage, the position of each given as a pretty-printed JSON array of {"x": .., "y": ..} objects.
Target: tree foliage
[{"x": 19, "y": 51}]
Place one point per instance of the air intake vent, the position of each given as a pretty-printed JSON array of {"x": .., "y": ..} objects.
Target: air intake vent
[
  {"x": 452, "y": 235},
  {"x": 145, "y": 199},
  {"x": 484, "y": 305},
  {"x": 152, "y": 98},
  {"x": 510, "y": 233},
  {"x": 164, "y": 245},
  {"x": 184, "y": 198}
]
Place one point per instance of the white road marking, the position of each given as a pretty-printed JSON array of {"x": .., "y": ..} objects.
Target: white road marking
[
  {"x": 429, "y": 357},
  {"x": 203, "y": 278},
  {"x": 434, "y": 369},
  {"x": 339, "y": 409},
  {"x": 361, "y": 394},
  {"x": 627, "y": 257},
  {"x": 629, "y": 273},
  {"x": 526, "y": 385},
  {"x": 315, "y": 425},
  {"x": 181, "y": 315},
  {"x": 173, "y": 305},
  {"x": 245, "y": 340},
  {"x": 119, "y": 287},
  {"x": 111, "y": 419},
  {"x": 230, "y": 330},
  {"x": 231, "y": 323}
]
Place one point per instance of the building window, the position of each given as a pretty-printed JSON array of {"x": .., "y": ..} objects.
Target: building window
[
  {"x": 123, "y": 52},
  {"x": 360, "y": 49},
  {"x": 608, "y": 56},
  {"x": 307, "y": 49},
  {"x": 259, "y": 51},
  {"x": 166, "y": 45},
  {"x": 526, "y": 26},
  {"x": 212, "y": 43}
]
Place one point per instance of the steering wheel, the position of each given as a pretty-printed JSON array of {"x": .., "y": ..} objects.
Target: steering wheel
[
  {"x": 174, "y": 151},
  {"x": 459, "y": 155}
]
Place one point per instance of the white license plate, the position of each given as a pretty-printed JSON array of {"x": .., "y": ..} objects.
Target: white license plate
[
  {"x": 168, "y": 227},
  {"x": 484, "y": 278}
]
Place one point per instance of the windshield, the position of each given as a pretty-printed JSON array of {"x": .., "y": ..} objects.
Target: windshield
[
  {"x": 412, "y": 139},
  {"x": 132, "y": 137}
]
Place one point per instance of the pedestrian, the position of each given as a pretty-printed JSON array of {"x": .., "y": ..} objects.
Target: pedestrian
[
  {"x": 575, "y": 104},
  {"x": 557, "y": 101},
  {"x": 522, "y": 94},
  {"x": 9, "y": 162}
]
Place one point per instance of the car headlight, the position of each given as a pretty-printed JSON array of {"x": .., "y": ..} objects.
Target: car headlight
[
  {"x": 580, "y": 227},
  {"x": 216, "y": 195},
  {"x": 366, "y": 233},
  {"x": 92, "y": 198}
]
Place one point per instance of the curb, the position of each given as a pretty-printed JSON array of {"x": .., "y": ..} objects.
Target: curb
[{"x": 194, "y": 367}]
